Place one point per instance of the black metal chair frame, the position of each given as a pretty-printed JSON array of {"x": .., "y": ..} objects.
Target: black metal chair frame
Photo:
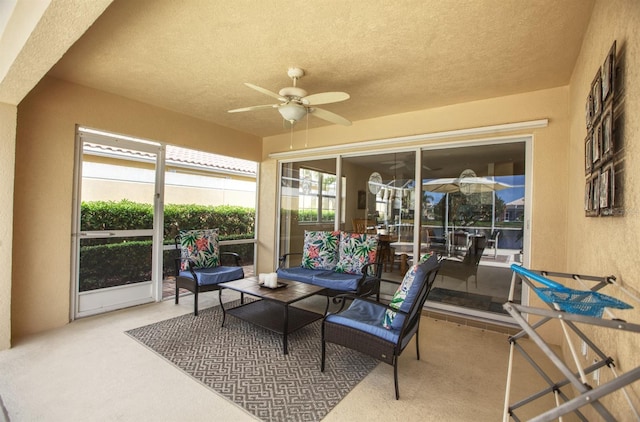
[
  {"x": 191, "y": 283},
  {"x": 374, "y": 346}
]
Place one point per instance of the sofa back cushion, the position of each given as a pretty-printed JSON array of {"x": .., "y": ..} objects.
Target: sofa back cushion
[
  {"x": 356, "y": 250},
  {"x": 200, "y": 247},
  {"x": 407, "y": 293},
  {"x": 320, "y": 250}
]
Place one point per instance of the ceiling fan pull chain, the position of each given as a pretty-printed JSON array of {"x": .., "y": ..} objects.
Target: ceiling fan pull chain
[
  {"x": 291, "y": 142},
  {"x": 306, "y": 134}
]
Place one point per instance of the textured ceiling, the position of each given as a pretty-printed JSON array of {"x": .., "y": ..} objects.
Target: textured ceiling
[{"x": 391, "y": 57}]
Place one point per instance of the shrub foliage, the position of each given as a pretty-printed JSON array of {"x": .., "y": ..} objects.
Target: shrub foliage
[{"x": 112, "y": 262}]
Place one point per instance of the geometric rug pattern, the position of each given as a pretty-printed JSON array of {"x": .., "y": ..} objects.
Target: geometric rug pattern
[{"x": 245, "y": 364}]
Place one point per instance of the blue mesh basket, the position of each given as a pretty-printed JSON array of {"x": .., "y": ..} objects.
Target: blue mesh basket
[{"x": 583, "y": 302}]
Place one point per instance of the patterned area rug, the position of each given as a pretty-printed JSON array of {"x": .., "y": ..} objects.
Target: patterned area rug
[{"x": 245, "y": 364}]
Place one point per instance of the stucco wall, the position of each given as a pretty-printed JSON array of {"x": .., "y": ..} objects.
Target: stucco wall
[
  {"x": 8, "y": 115},
  {"x": 44, "y": 182},
  {"x": 603, "y": 246},
  {"x": 549, "y": 174},
  {"x": 549, "y": 154}
]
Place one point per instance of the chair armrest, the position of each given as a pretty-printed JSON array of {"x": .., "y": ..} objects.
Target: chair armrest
[
  {"x": 343, "y": 298},
  {"x": 347, "y": 296},
  {"x": 283, "y": 259},
  {"x": 372, "y": 269},
  {"x": 236, "y": 257},
  {"x": 178, "y": 262},
  {"x": 377, "y": 269}
]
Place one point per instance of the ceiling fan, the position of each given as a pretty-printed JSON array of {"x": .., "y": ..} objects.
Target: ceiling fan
[
  {"x": 395, "y": 165},
  {"x": 295, "y": 103}
]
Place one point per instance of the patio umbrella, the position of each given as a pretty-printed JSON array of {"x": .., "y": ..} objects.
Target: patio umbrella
[
  {"x": 470, "y": 184},
  {"x": 466, "y": 185}
]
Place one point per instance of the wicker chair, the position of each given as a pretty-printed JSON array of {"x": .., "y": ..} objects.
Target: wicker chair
[
  {"x": 200, "y": 267},
  {"x": 383, "y": 331}
]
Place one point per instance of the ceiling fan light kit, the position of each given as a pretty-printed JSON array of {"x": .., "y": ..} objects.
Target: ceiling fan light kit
[
  {"x": 296, "y": 103},
  {"x": 292, "y": 112}
]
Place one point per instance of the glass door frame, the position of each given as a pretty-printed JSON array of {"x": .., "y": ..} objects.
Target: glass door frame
[
  {"x": 154, "y": 285},
  {"x": 527, "y": 139}
]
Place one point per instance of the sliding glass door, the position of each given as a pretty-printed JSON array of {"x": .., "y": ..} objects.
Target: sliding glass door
[
  {"x": 473, "y": 215},
  {"x": 464, "y": 203}
]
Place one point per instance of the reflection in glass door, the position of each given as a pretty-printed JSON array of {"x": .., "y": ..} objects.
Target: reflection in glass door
[
  {"x": 308, "y": 201},
  {"x": 116, "y": 249},
  {"x": 473, "y": 215},
  {"x": 464, "y": 203}
]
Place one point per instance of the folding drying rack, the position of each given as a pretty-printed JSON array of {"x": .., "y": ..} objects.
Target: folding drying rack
[{"x": 569, "y": 306}]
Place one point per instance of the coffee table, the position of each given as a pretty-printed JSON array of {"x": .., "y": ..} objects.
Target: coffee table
[{"x": 273, "y": 312}]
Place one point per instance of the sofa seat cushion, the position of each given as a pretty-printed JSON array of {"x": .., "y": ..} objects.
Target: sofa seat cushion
[
  {"x": 337, "y": 281},
  {"x": 365, "y": 316},
  {"x": 216, "y": 275},
  {"x": 303, "y": 275}
]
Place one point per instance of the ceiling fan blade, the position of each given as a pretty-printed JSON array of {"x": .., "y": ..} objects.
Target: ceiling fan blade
[
  {"x": 330, "y": 117},
  {"x": 266, "y": 92},
  {"x": 258, "y": 107},
  {"x": 325, "y": 98}
]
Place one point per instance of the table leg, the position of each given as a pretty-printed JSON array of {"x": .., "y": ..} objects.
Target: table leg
[
  {"x": 224, "y": 313},
  {"x": 403, "y": 263},
  {"x": 286, "y": 329}
]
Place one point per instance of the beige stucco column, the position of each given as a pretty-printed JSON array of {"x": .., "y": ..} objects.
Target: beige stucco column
[
  {"x": 8, "y": 116},
  {"x": 34, "y": 37}
]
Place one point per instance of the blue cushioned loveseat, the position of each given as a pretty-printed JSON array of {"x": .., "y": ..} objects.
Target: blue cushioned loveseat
[{"x": 339, "y": 261}]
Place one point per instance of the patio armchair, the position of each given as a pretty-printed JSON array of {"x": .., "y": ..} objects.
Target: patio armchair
[
  {"x": 199, "y": 268},
  {"x": 467, "y": 267},
  {"x": 383, "y": 331}
]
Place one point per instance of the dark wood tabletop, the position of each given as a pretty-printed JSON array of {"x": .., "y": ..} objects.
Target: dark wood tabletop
[{"x": 292, "y": 292}]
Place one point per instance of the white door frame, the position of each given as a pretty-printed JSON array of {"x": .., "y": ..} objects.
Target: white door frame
[{"x": 108, "y": 299}]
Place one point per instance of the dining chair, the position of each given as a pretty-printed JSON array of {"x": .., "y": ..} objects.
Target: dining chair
[
  {"x": 364, "y": 225},
  {"x": 492, "y": 242}
]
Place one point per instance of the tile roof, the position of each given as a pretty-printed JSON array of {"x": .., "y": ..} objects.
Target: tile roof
[{"x": 183, "y": 157}]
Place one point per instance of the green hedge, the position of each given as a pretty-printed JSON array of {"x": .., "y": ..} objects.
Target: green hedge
[
  {"x": 114, "y": 264},
  {"x": 312, "y": 216},
  {"x": 111, "y": 262},
  {"x": 232, "y": 221}
]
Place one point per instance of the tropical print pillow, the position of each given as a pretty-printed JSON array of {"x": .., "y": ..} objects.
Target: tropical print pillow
[
  {"x": 399, "y": 297},
  {"x": 424, "y": 258},
  {"x": 200, "y": 247},
  {"x": 356, "y": 251},
  {"x": 320, "y": 250}
]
